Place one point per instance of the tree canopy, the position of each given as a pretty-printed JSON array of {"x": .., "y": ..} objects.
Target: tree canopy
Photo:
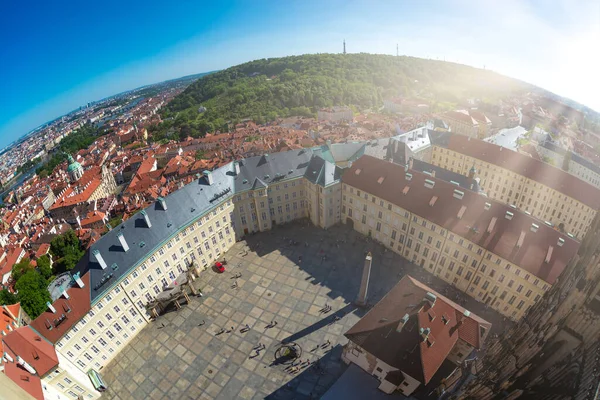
[
  {"x": 266, "y": 89},
  {"x": 66, "y": 250},
  {"x": 44, "y": 267},
  {"x": 7, "y": 298},
  {"x": 20, "y": 268},
  {"x": 32, "y": 293}
]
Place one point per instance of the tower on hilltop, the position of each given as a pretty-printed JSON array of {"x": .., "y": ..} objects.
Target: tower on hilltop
[{"x": 344, "y": 46}]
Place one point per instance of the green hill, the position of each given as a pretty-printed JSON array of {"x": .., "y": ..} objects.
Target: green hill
[{"x": 269, "y": 88}]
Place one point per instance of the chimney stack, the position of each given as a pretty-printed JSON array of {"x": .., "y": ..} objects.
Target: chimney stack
[
  {"x": 208, "y": 176},
  {"x": 98, "y": 256},
  {"x": 163, "y": 203},
  {"x": 361, "y": 300},
  {"x": 51, "y": 307},
  {"x": 146, "y": 218},
  {"x": 236, "y": 167},
  {"x": 78, "y": 280},
  {"x": 123, "y": 242},
  {"x": 65, "y": 294}
]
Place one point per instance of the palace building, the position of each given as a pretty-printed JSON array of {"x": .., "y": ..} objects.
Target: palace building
[
  {"x": 547, "y": 193},
  {"x": 500, "y": 254}
]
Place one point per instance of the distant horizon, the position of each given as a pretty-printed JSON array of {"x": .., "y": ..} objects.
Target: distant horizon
[
  {"x": 546, "y": 45},
  {"x": 217, "y": 70}
]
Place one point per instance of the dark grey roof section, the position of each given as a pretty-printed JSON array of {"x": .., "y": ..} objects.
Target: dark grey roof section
[
  {"x": 441, "y": 139},
  {"x": 186, "y": 205},
  {"x": 183, "y": 207},
  {"x": 585, "y": 162},
  {"x": 271, "y": 169},
  {"x": 550, "y": 146},
  {"x": 322, "y": 172},
  {"x": 446, "y": 175},
  {"x": 258, "y": 184},
  {"x": 398, "y": 152},
  {"x": 377, "y": 148},
  {"x": 547, "y": 144},
  {"x": 346, "y": 151}
]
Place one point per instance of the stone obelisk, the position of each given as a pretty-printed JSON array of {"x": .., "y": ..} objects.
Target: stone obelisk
[{"x": 361, "y": 300}]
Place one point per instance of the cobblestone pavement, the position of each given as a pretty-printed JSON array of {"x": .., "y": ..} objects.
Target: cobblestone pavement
[{"x": 182, "y": 355}]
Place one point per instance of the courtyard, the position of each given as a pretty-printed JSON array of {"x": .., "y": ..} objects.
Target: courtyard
[{"x": 275, "y": 289}]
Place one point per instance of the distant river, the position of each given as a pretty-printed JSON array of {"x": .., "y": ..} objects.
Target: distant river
[{"x": 18, "y": 182}]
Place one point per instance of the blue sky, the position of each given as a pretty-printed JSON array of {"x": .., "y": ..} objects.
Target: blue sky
[{"x": 56, "y": 56}]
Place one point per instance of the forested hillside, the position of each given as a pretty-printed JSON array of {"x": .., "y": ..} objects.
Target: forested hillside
[{"x": 266, "y": 89}]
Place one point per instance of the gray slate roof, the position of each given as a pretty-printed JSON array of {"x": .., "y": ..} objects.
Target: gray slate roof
[
  {"x": 188, "y": 204},
  {"x": 183, "y": 207}
]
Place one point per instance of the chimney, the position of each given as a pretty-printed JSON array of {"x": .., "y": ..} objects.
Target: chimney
[
  {"x": 208, "y": 176},
  {"x": 430, "y": 298},
  {"x": 51, "y": 307},
  {"x": 549, "y": 254},
  {"x": 123, "y": 242},
  {"x": 236, "y": 167},
  {"x": 78, "y": 221},
  {"x": 65, "y": 294},
  {"x": 98, "y": 256},
  {"x": 402, "y": 323},
  {"x": 361, "y": 300},
  {"x": 78, "y": 280},
  {"x": 146, "y": 218},
  {"x": 163, "y": 203},
  {"x": 7, "y": 356},
  {"x": 25, "y": 365}
]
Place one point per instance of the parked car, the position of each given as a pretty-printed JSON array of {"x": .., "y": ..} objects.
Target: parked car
[{"x": 220, "y": 267}]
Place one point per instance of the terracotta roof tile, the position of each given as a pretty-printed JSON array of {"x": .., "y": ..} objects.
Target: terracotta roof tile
[
  {"x": 529, "y": 167},
  {"x": 475, "y": 220}
]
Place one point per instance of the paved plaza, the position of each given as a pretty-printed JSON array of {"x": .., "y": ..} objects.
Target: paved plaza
[{"x": 183, "y": 355}]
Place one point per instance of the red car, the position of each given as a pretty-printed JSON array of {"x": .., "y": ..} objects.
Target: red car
[{"x": 220, "y": 267}]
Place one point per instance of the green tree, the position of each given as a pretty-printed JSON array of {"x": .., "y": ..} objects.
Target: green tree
[
  {"x": 43, "y": 266},
  {"x": 20, "y": 268},
  {"x": 32, "y": 293},
  {"x": 7, "y": 298},
  {"x": 67, "y": 251}
]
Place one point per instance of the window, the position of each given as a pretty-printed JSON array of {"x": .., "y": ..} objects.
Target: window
[
  {"x": 117, "y": 327},
  {"x": 117, "y": 309},
  {"x": 100, "y": 324}
]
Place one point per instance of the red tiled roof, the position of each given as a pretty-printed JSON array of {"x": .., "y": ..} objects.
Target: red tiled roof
[
  {"x": 34, "y": 350},
  {"x": 377, "y": 332},
  {"x": 43, "y": 249},
  {"x": 9, "y": 317},
  {"x": 69, "y": 199},
  {"x": 475, "y": 221},
  {"x": 531, "y": 168},
  {"x": 462, "y": 116},
  {"x": 78, "y": 302}
]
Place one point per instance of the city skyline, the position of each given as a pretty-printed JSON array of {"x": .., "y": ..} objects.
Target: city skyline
[{"x": 56, "y": 69}]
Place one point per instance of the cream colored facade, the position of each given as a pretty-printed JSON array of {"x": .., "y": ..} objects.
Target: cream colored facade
[
  {"x": 502, "y": 285},
  {"x": 260, "y": 209},
  {"x": 120, "y": 314},
  {"x": 541, "y": 201}
]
